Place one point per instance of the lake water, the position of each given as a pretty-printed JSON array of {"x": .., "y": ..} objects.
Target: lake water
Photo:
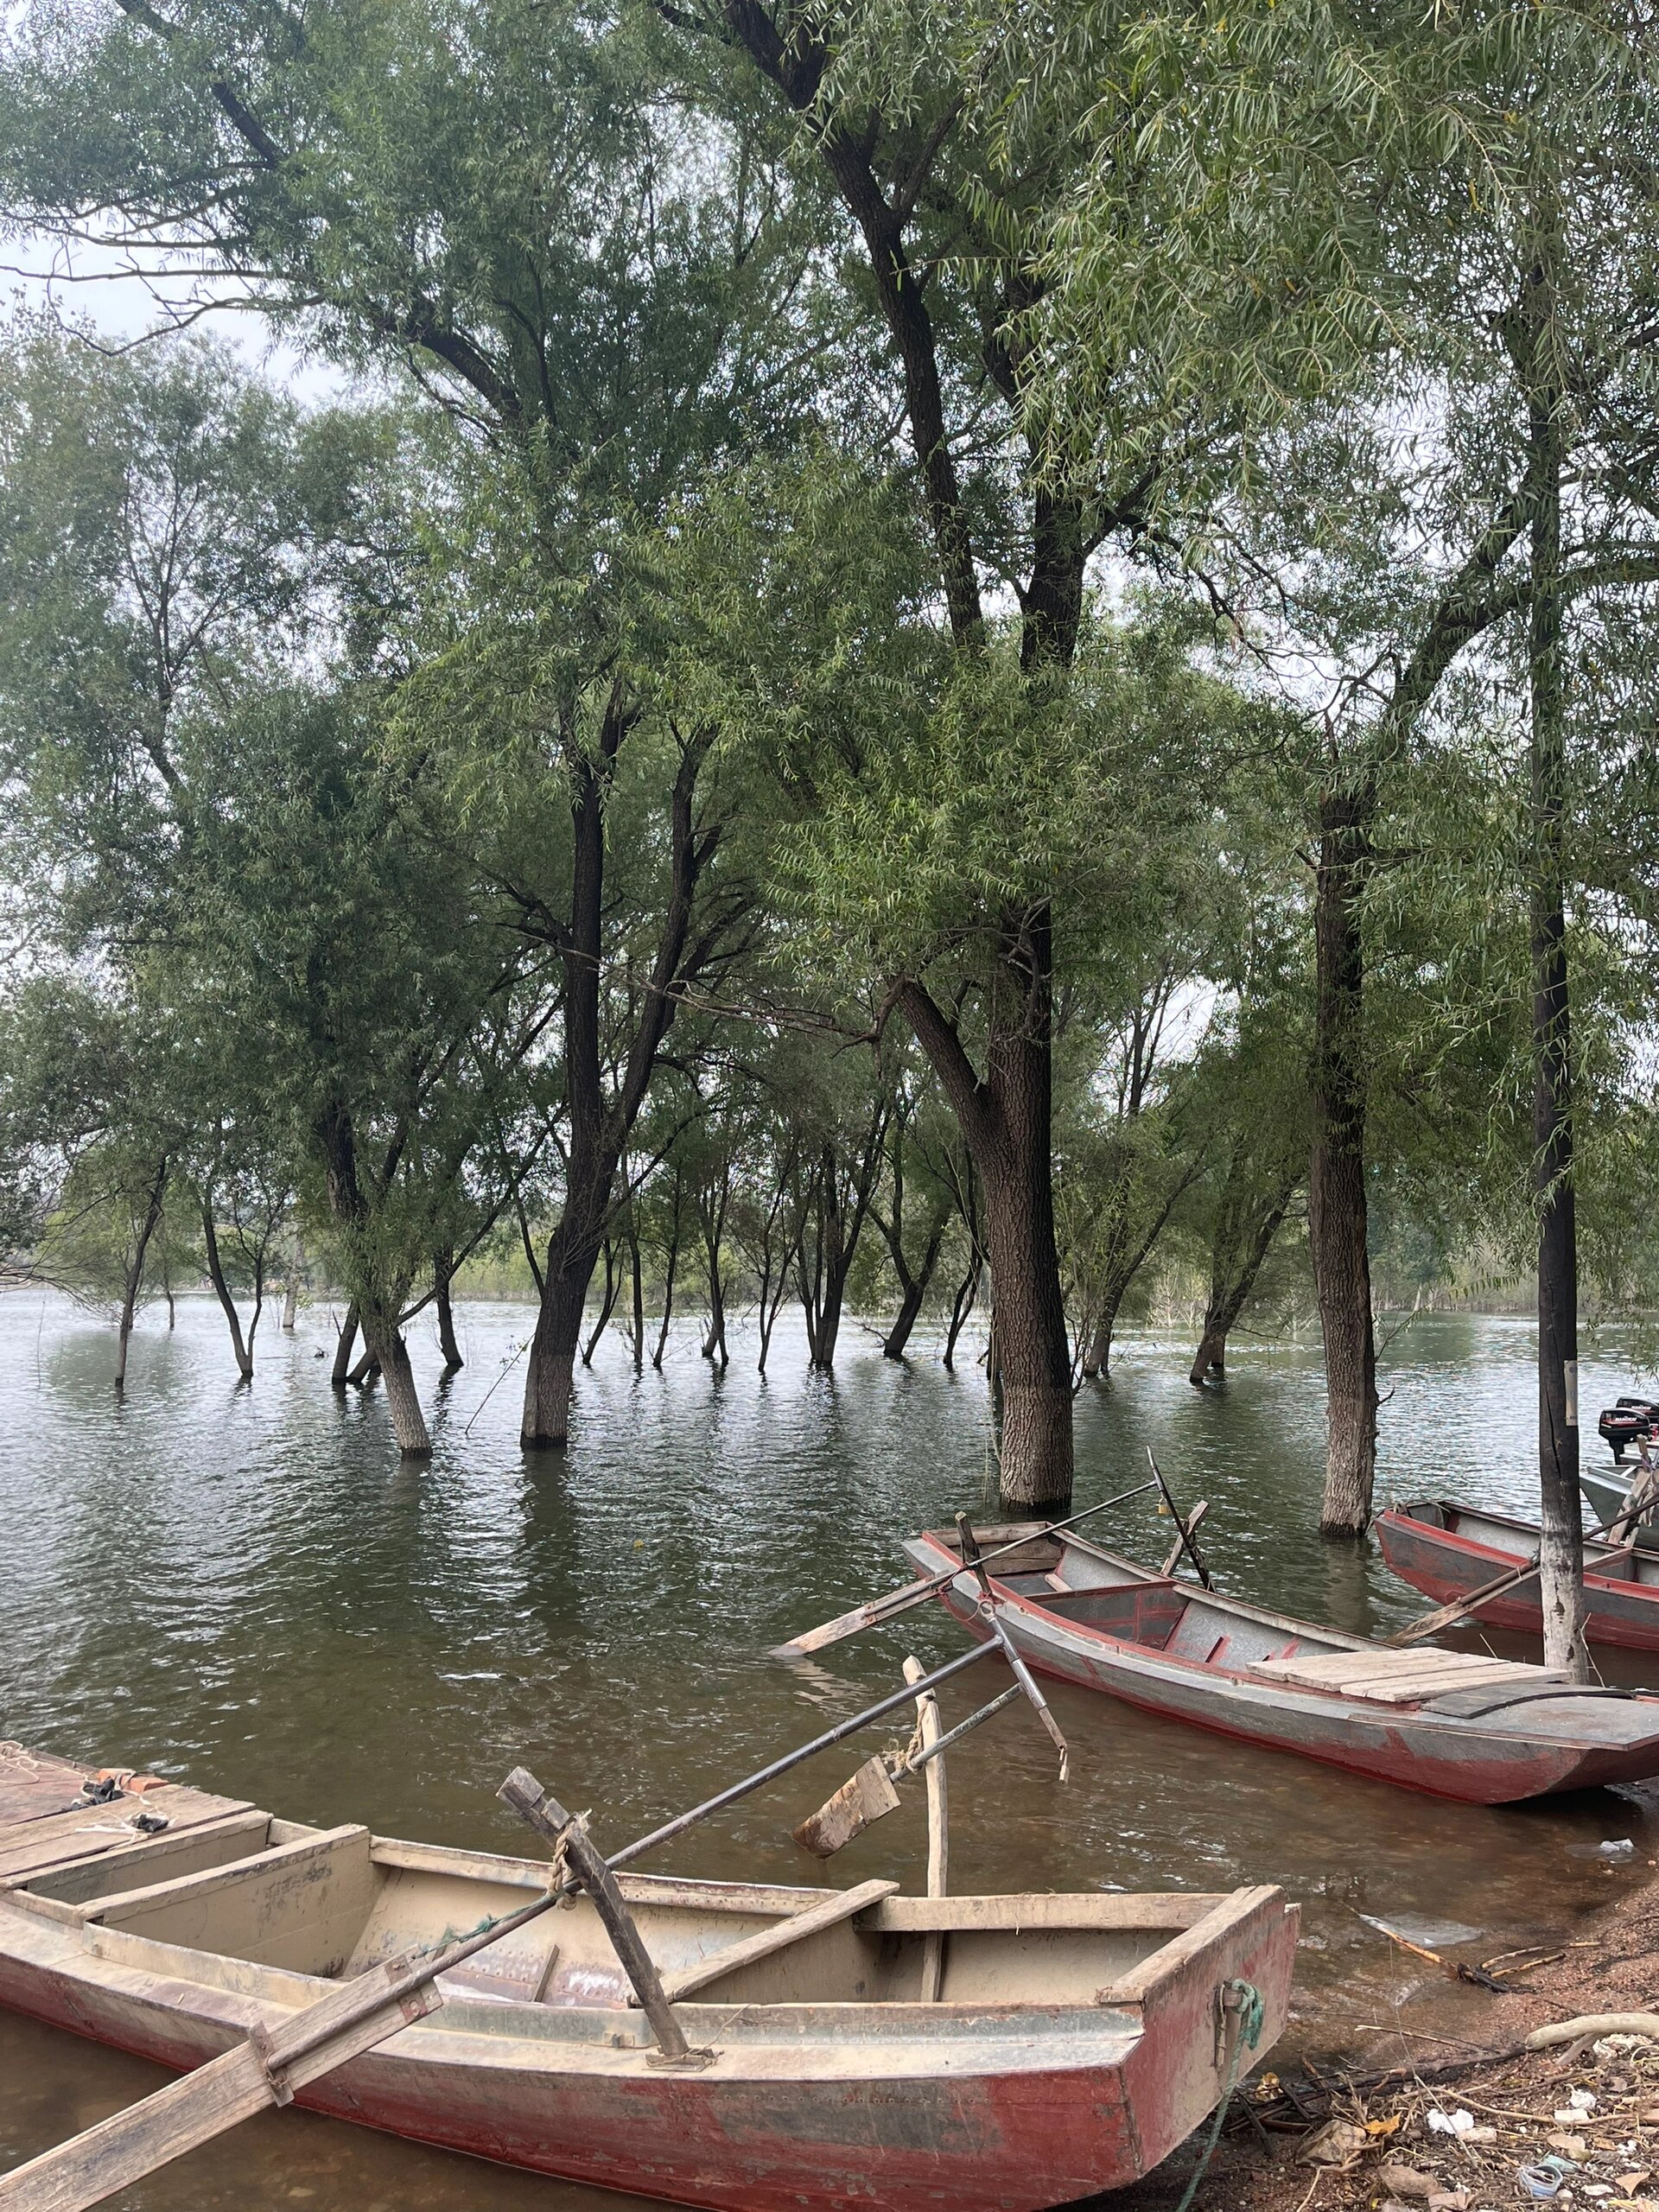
[{"x": 242, "y": 1588}]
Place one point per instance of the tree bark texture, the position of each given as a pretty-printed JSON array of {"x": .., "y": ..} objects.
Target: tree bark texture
[
  {"x": 1337, "y": 1212},
  {"x": 1007, "y": 1119},
  {"x": 385, "y": 1341}
]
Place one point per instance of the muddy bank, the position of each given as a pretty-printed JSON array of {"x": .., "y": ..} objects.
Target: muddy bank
[{"x": 1354, "y": 2127}]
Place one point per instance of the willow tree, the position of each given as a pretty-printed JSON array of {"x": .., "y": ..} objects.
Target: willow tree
[
  {"x": 508, "y": 203},
  {"x": 1336, "y": 230}
]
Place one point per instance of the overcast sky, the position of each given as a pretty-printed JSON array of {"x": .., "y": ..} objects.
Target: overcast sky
[{"x": 92, "y": 286}]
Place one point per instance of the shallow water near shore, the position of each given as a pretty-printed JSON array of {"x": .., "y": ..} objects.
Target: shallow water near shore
[{"x": 242, "y": 1588}]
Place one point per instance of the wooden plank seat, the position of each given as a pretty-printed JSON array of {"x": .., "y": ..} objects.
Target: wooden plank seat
[
  {"x": 1400, "y": 1677},
  {"x": 828, "y": 1914}
]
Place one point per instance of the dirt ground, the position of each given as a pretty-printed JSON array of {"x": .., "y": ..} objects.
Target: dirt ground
[{"x": 1354, "y": 2131}]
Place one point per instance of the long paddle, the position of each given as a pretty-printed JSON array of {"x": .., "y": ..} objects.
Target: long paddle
[
  {"x": 894, "y": 1602},
  {"x": 269, "y": 2067},
  {"x": 1511, "y": 1578}
]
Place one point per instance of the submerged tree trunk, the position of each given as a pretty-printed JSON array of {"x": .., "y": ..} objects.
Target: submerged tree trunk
[
  {"x": 1561, "y": 1519},
  {"x": 912, "y": 1282},
  {"x": 135, "y": 1275},
  {"x": 600, "y": 1127},
  {"x": 339, "y": 1375},
  {"x": 443, "y": 1269},
  {"x": 637, "y": 1281},
  {"x": 390, "y": 1355},
  {"x": 670, "y": 1265},
  {"x": 712, "y": 1202},
  {"x": 1237, "y": 1253},
  {"x": 291, "y": 1288},
  {"x": 1337, "y": 1219},
  {"x": 243, "y": 1349},
  {"x": 606, "y": 1304}
]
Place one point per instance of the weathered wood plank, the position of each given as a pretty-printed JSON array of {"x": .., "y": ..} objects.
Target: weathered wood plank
[
  {"x": 938, "y": 1832},
  {"x": 1175, "y": 1909},
  {"x": 58, "y": 1839},
  {"x": 187, "y": 1849},
  {"x": 765, "y": 1941}
]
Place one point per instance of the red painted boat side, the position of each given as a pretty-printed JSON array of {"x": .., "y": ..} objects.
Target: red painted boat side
[
  {"x": 1019, "y": 2137},
  {"x": 1444, "y": 1564},
  {"x": 1413, "y": 1749}
]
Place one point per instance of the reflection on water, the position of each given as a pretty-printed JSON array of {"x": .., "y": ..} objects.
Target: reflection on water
[{"x": 242, "y": 1588}]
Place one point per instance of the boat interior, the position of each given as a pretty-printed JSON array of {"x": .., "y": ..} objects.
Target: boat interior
[
  {"x": 248, "y": 1892},
  {"x": 1068, "y": 1576},
  {"x": 1502, "y": 1532}
]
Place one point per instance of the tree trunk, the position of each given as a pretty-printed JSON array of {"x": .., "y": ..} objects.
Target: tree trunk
[
  {"x": 341, "y": 1373},
  {"x": 390, "y": 1354},
  {"x": 222, "y": 1291},
  {"x": 136, "y": 1276},
  {"x": 1097, "y": 1359},
  {"x": 1336, "y": 1223},
  {"x": 607, "y": 1306},
  {"x": 711, "y": 1214},
  {"x": 1561, "y": 1519},
  {"x": 1033, "y": 1349},
  {"x": 551, "y": 1381},
  {"x": 910, "y": 1306},
  {"x": 636, "y": 1273},
  {"x": 1230, "y": 1286},
  {"x": 291, "y": 1288},
  {"x": 444, "y": 1268},
  {"x": 961, "y": 1306},
  {"x": 671, "y": 1262}
]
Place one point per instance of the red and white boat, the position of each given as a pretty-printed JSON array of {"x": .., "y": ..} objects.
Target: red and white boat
[
  {"x": 1453, "y": 1723},
  {"x": 1447, "y": 1551},
  {"x": 1074, "y": 2043}
]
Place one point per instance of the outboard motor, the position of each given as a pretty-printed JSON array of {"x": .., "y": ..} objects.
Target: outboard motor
[{"x": 1624, "y": 1424}]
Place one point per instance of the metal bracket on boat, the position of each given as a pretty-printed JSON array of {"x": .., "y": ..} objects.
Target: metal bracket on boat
[{"x": 282, "y": 2089}]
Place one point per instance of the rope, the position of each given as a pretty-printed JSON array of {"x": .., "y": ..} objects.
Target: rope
[{"x": 1248, "y": 2012}]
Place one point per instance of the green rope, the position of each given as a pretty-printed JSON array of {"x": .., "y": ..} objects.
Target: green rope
[{"x": 1250, "y": 2014}]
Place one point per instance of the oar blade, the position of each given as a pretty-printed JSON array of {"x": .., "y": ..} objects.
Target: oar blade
[
  {"x": 861, "y": 1616},
  {"x": 869, "y": 1796}
]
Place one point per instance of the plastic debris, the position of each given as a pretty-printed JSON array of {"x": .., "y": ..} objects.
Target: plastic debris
[{"x": 1451, "y": 2123}]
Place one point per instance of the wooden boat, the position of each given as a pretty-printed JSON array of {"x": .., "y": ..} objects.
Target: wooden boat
[
  {"x": 1077, "y": 2040},
  {"x": 1490, "y": 1731},
  {"x": 1447, "y": 1550}
]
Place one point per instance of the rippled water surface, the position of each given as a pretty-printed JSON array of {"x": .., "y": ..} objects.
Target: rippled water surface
[{"x": 241, "y": 1587}]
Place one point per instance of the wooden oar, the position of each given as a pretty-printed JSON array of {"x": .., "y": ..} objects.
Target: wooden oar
[
  {"x": 1022, "y": 1674},
  {"x": 894, "y": 1602},
  {"x": 1183, "y": 1528}
]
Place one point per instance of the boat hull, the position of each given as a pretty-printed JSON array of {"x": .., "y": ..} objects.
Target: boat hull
[
  {"x": 1446, "y": 1564},
  {"x": 1434, "y": 1754},
  {"x": 1073, "y": 2044},
  {"x": 884, "y": 2137}
]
